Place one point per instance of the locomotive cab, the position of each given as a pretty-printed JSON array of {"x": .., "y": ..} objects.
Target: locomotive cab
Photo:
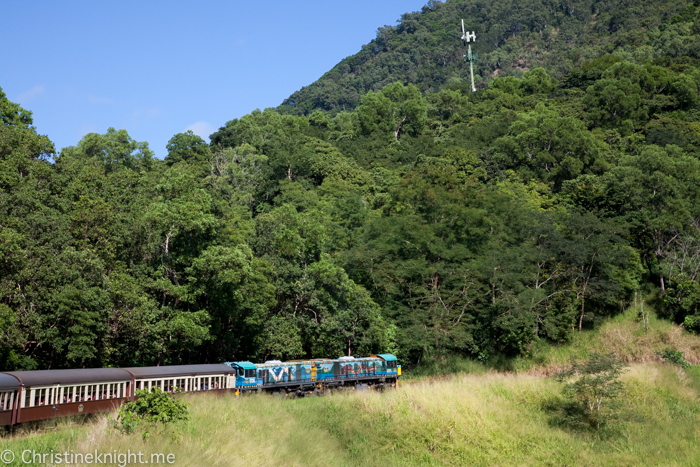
[
  {"x": 390, "y": 366},
  {"x": 246, "y": 374}
]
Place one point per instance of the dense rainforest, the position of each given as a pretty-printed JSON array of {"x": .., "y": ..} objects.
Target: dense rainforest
[{"x": 383, "y": 208}]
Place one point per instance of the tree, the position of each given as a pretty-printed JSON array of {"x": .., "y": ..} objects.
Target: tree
[
  {"x": 187, "y": 147},
  {"x": 614, "y": 102},
  {"x": 396, "y": 109},
  {"x": 11, "y": 114},
  {"x": 116, "y": 150},
  {"x": 538, "y": 81},
  {"x": 595, "y": 389},
  {"x": 552, "y": 147}
]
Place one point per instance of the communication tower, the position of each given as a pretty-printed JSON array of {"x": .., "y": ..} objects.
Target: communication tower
[{"x": 467, "y": 38}]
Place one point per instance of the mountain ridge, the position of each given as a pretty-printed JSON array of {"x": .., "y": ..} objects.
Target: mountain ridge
[{"x": 512, "y": 36}]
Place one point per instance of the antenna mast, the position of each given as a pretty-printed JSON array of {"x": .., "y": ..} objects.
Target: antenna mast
[{"x": 470, "y": 57}]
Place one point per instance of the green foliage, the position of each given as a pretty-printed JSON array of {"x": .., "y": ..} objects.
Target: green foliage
[
  {"x": 11, "y": 114},
  {"x": 150, "y": 409},
  {"x": 187, "y": 147},
  {"x": 404, "y": 214},
  {"x": 577, "y": 39},
  {"x": 115, "y": 149},
  {"x": 674, "y": 357},
  {"x": 594, "y": 389},
  {"x": 396, "y": 109}
]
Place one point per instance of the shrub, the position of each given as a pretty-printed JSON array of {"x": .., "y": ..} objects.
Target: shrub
[
  {"x": 592, "y": 391},
  {"x": 675, "y": 357},
  {"x": 150, "y": 408}
]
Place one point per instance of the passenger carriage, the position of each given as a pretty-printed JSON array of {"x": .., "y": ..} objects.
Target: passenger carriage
[
  {"x": 183, "y": 378},
  {"x": 44, "y": 394},
  {"x": 9, "y": 388}
]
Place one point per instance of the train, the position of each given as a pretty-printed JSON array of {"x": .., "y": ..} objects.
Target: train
[{"x": 27, "y": 396}]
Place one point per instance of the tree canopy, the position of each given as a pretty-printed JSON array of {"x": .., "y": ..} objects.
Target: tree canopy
[{"x": 384, "y": 208}]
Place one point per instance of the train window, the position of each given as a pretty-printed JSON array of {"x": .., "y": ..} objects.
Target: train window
[
  {"x": 6, "y": 400},
  {"x": 391, "y": 364},
  {"x": 250, "y": 373}
]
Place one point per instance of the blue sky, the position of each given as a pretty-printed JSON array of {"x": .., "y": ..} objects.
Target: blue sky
[{"x": 159, "y": 68}]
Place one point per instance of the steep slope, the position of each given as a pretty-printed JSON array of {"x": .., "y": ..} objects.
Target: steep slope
[{"x": 512, "y": 37}]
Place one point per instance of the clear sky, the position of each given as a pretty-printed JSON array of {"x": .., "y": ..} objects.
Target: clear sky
[{"x": 157, "y": 68}]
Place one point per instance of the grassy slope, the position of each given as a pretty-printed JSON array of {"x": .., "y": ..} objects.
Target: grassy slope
[{"x": 480, "y": 418}]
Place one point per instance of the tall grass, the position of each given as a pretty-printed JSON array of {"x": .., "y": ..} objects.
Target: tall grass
[
  {"x": 473, "y": 416},
  {"x": 623, "y": 335},
  {"x": 484, "y": 419}
]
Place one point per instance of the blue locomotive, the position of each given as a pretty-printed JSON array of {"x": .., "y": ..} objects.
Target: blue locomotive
[{"x": 302, "y": 377}]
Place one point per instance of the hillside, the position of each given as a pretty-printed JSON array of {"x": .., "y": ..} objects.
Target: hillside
[
  {"x": 428, "y": 221},
  {"x": 475, "y": 417},
  {"x": 513, "y": 37}
]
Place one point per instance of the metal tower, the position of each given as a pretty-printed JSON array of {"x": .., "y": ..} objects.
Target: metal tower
[{"x": 470, "y": 57}]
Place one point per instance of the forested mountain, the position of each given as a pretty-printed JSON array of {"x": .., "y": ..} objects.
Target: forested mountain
[
  {"x": 422, "y": 219},
  {"x": 512, "y": 36}
]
